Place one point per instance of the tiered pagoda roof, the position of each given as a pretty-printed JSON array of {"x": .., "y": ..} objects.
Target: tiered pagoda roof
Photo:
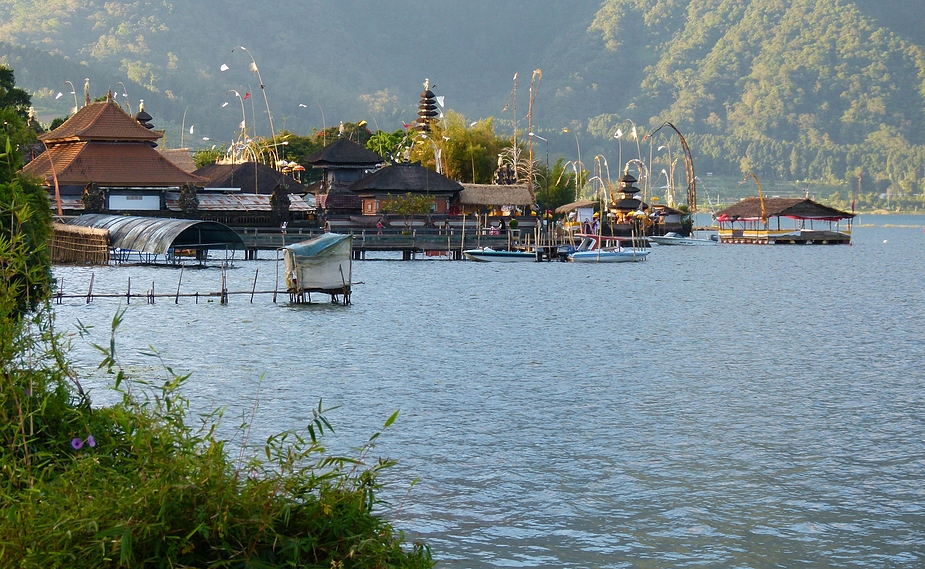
[
  {"x": 344, "y": 153},
  {"x": 102, "y": 144}
]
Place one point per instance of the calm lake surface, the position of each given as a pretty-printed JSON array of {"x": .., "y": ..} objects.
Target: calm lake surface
[{"x": 728, "y": 406}]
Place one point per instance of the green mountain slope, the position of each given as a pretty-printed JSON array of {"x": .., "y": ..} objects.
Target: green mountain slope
[
  {"x": 798, "y": 89},
  {"x": 787, "y": 88}
]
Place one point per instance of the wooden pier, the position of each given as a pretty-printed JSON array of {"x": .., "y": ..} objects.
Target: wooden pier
[{"x": 421, "y": 241}]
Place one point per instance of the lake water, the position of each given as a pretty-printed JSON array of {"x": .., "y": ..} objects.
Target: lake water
[{"x": 728, "y": 406}]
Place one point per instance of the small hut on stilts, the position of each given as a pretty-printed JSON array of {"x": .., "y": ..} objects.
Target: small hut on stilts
[{"x": 323, "y": 264}]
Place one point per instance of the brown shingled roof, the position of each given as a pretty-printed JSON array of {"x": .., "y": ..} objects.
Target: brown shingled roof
[
  {"x": 100, "y": 121},
  {"x": 181, "y": 157},
  {"x": 133, "y": 164}
]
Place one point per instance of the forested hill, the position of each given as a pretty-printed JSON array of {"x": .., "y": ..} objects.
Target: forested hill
[
  {"x": 798, "y": 89},
  {"x": 787, "y": 88}
]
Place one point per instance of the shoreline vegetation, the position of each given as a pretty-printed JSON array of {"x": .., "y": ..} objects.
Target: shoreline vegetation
[{"x": 141, "y": 483}]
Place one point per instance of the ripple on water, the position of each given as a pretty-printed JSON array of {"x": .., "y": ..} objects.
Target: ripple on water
[{"x": 716, "y": 406}]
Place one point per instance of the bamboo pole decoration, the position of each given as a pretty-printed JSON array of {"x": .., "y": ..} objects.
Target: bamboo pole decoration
[
  {"x": 128, "y": 291},
  {"x": 90, "y": 289},
  {"x": 462, "y": 241},
  {"x": 254, "y": 289},
  {"x": 179, "y": 280}
]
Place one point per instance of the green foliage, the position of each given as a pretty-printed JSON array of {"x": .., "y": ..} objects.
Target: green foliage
[
  {"x": 14, "y": 107},
  {"x": 134, "y": 485},
  {"x": 25, "y": 231},
  {"x": 562, "y": 187},
  {"x": 12, "y": 97},
  {"x": 389, "y": 145},
  {"x": 796, "y": 90},
  {"x": 206, "y": 156},
  {"x": 407, "y": 206},
  {"x": 469, "y": 149}
]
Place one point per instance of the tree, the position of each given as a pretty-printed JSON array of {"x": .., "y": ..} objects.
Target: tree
[
  {"x": 11, "y": 96},
  {"x": 14, "y": 113},
  {"x": 562, "y": 188},
  {"x": 408, "y": 206},
  {"x": 389, "y": 145},
  {"x": 468, "y": 150},
  {"x": 25, "y": 230},
  {"x": 204, "y": 157}
]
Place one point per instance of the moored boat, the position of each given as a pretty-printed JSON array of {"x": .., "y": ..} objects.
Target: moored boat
[
  {"x": 489, "y": 254},
  {"x": 672, "y": 238},
  {"x": 594, "y": 249}
]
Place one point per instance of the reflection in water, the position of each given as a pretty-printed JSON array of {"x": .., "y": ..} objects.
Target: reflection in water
[{"x": 716, "y": 406}]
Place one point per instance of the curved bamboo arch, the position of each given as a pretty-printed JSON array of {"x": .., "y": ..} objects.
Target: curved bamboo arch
[
  {"x": 764, "y": 215},
  {"x": 688, "y": 167}
]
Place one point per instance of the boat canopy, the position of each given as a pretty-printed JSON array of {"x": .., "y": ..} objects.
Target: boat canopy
[{"x": 157, "y": 235}]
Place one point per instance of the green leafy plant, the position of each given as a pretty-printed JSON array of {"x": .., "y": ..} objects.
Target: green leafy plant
[
  {"x": 138, "y": 484},
  {"x": 407, "y": 206}
]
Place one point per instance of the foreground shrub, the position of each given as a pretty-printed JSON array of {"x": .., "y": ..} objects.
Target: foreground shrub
[{"x": 134, "y": 485}]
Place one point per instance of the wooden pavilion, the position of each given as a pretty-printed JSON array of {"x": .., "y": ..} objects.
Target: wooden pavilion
[
  {"x": 495, "y": 198},
  {"x": 784, "y": 221},
  {"x": 403, "y": 178},
  {"x": 106, "y": 157},
  {"x": 343, "y": 163}
]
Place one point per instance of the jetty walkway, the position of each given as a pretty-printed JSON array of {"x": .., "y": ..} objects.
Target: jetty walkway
[{"x": 428, "y": 241}]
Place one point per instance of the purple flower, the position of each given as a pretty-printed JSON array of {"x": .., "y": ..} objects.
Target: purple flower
[
  {"x": 91, "y": 441},
  {"x": 77, "y": 443}
]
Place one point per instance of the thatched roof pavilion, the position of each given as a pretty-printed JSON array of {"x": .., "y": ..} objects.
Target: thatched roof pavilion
[
  {"x": 475, "y": 197},
  {"x": 783, "y": 220}
]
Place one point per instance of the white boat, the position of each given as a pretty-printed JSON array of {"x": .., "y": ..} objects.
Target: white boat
[
  {"x": 489, "y": 254},
  {"x": 591, "y": 251},
  {"x": 672, "y": 238}
]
